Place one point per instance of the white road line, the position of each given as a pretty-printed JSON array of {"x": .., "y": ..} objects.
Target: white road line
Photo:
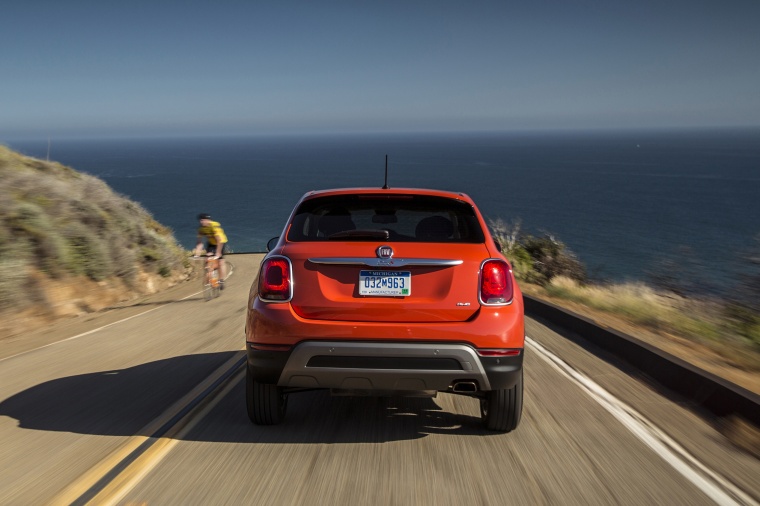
[
  {"x": 712, "y": 484},
  {"x": 97, "y": 329},
  {"x": 231, "y": 270}
]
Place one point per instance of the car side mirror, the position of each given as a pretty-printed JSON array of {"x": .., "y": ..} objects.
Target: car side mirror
[
  {"x": 498, "y": 246},
  {"x": 272, "y": 243}
]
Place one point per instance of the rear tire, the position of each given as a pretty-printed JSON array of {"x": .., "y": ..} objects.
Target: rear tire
[
  {"x": 501, "y": 410},
  {"x": 266, "y": 403},
  {"x": 211, "y": 289},
  {"x": 215, "y": 288},
  {"x": 208, "y": 291}
]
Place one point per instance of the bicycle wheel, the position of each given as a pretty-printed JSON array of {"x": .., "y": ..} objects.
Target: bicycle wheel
[
  {"x": 208, "y": 285},
  {"x": 214, "y": 283},
  {"x": 208, "y": 292}
]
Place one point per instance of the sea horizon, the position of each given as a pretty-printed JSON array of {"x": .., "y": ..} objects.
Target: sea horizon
[{"x": 626, "y": 202}]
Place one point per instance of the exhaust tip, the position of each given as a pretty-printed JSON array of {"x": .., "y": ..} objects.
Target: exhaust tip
[{"x": 465, "y": 387}]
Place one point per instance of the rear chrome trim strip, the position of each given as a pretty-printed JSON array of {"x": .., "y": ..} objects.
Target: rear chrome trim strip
[{"x": 387, "y": 262}]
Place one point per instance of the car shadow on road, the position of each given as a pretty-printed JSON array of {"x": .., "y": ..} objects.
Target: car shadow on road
[
  {"x": 317, "y": 417},
  {"x": 124, "y": 402}
]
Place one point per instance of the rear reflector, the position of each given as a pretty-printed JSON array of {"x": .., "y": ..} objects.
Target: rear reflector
[
  {"x": 269, "y": 347},
  {"x": 499, "y": 352}
]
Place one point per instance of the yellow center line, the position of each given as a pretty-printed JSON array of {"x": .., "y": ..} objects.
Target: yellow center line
[
  {"x": 162, "y": 444},
  {"x": 146, "y": 462}
]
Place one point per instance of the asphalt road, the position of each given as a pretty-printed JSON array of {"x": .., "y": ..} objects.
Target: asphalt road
[{"x": 143, "y": 404}]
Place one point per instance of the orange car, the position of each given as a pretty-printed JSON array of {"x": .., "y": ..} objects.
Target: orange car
[{"x": 385, "y": 292}]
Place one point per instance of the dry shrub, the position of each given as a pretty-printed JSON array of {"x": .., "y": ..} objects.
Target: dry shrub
[
  {"x": 636, "y": 302},
  {"x": 13, "y": 279},
  {"x": 60, "y": 222},
  {"x": 86, "y": 254}
]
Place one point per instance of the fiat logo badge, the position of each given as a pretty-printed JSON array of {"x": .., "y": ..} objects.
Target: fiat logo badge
[{"x": 384, "y": 252}]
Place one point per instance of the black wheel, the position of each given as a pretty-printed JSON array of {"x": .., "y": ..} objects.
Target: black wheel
[
  {"x": 501, "y": 409},
  {"x": 266, "y": 403}
]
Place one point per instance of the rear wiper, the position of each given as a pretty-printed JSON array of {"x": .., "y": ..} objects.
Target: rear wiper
[{"x": 360, "y": 234}]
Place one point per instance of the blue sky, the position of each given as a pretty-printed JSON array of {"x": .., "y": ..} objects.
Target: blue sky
[{"x": 98, "y": 68}]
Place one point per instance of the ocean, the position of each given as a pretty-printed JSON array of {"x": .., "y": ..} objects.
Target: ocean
[{"x": 628, "y": 204}]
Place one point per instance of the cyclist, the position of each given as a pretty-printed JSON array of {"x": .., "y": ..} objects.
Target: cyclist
[{"x": 216, "y": 242}]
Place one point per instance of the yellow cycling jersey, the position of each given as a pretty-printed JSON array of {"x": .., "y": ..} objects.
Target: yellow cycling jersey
[{"x": 211, "y": 232}]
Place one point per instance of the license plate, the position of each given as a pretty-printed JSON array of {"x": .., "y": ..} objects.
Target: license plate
[{"x": 385, "y": 283}]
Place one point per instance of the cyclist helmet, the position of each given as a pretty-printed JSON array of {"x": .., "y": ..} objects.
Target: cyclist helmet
[{"x": 204, "y": 216}]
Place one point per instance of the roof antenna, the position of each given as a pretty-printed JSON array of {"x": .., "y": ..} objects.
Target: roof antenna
[{"x": 385, "y": 186}]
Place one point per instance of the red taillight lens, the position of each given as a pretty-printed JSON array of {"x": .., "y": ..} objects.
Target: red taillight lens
[
  {"x": 275, "y": 282},
  {"x": 495, "y": 282}
]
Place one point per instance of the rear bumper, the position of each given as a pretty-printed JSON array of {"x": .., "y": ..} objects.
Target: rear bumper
[
  {"x": 491, "y": 327},
  {"x": 383, "y": 366}
]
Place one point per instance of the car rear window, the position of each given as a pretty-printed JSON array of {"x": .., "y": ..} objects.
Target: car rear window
[{"x": 403, "y": 218}]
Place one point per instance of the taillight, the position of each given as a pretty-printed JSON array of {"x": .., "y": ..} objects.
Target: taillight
[
  {"x": 275, "y": 281},
  {"x": 495, "y": 282}
]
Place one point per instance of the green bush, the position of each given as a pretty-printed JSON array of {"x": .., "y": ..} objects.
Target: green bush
[
  {"x": 744, "y": 321},
  {"x": 86, "y": 252},
  {"x": 123, "y": 259},
  {"x": 536, "y": 259},
  {"x": 32, "y": 226},
  {"x": 551, "y": 258}
]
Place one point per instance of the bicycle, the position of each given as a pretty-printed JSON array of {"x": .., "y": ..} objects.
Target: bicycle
[{"x": 210, "y": 278}]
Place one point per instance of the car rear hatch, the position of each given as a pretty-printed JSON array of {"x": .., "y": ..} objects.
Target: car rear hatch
[{"x": 420, "y": 282}]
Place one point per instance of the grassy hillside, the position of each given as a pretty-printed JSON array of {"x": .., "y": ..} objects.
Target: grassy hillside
[{"x": 59, "y": 224}]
